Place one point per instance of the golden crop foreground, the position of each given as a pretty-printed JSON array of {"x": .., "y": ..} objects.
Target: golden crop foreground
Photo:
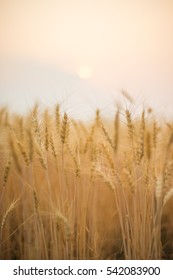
[{"x": 71, "y": 190}]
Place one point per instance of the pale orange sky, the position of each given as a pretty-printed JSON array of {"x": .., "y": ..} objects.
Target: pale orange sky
[{"x": 127, "y": 43}]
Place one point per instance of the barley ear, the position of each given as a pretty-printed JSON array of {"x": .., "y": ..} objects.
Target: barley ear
[
  {"x": 130, "y": 125},
  {"x": 148, "y": 145},
  {"x": 7, "y": 213},
  {"x": 22, "y": 149},
  {"x": 60, "y": 218},
  {"x": 58, "y": 118},
  {"x": 168, "y": 195},
  {"x": 140, "y": 148},
  {"x": 107, "y": 137},
  {"x": 6, "y": 171},
  {"x": 116, "y": 132},
  {"x": 64, "y": 129}
]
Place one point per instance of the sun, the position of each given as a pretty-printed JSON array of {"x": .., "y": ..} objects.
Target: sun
[{"x": 85, "y": 72}]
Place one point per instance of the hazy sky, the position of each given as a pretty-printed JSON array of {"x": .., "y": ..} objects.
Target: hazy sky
[{"x": 127, "y": 44}]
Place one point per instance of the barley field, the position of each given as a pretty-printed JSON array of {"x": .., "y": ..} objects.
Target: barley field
[{"x": 73, "y": 190}]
